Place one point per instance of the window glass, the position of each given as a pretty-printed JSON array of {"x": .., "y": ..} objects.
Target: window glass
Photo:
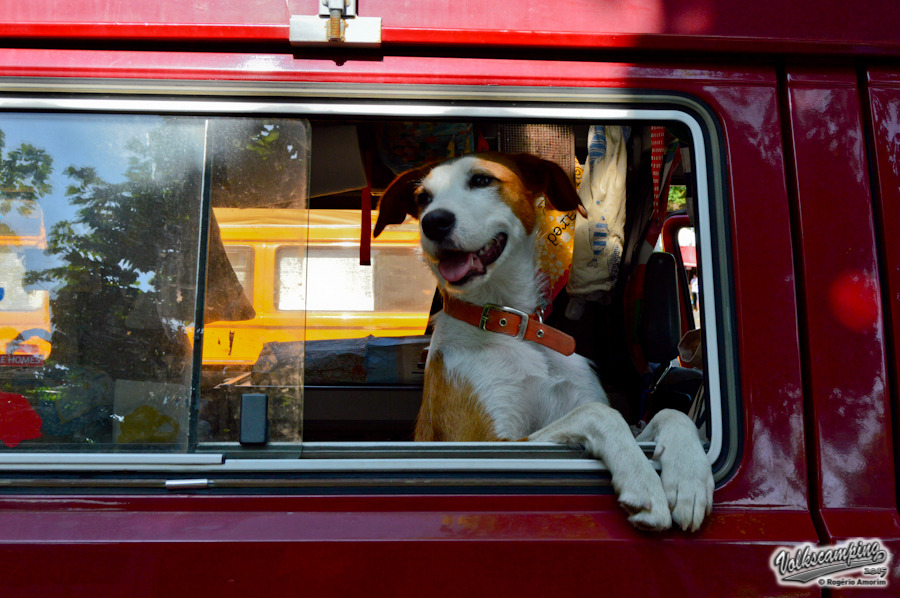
[
  {"x": 241, "y": 260},
  {"x": 338, "y": 283},
  {"x": 291, "y": 279},
  {"x": 260, "y": 179},
  {"x": 402, "y": 281},
  {"x": 395, "y": 280},
  {"x": 119, "y": 197},
  {"x": 100, "y": 245},
  {"x": 687, "y": 245}
]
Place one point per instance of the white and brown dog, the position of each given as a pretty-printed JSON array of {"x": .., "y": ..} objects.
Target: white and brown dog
[{"x": 496, "y": 373}]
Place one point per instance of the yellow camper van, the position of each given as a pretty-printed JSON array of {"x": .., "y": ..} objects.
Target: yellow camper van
[{"x": 301, "y": 271}]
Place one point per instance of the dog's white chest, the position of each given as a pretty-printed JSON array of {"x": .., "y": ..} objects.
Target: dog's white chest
[{"x": 521, "y": 385}]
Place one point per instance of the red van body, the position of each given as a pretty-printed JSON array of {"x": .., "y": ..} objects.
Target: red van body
[{"x": 807, "y": 95}]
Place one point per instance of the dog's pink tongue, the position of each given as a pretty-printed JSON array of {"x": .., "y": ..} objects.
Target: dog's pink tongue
[{"x": 456, "y": 265}]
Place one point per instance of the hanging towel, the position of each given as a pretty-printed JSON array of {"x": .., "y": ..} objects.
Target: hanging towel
[{"x": 599, "y": 238}]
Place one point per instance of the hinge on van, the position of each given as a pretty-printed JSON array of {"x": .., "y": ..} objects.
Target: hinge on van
[{"x": 336, "y": 24}]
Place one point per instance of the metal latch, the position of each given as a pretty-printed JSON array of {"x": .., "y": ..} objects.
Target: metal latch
[{"x": 337, "y": 23}]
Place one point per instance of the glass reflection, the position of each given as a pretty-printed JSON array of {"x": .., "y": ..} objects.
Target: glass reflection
[
  {"x": 100, "y": 219},
  {"x": 112, "y": 295}
]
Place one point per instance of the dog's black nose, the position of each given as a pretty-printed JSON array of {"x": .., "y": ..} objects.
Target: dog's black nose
[{"x": 438, "y": 224}]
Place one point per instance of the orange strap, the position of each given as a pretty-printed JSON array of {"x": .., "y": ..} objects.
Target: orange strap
[{"x": 511, "y": 322}]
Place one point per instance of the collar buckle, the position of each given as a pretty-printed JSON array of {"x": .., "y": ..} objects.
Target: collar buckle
[{"x": 523, "y": 317}]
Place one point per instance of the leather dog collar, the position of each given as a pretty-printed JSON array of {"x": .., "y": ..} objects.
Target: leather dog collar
[{"x": 511, "y": 322}]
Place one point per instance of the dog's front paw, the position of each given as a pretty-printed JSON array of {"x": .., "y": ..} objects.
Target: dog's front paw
[
  {"x": 686, "y": 474},
  {"x": 603, "y": 433},
  {"x": 642, "y": 496}
]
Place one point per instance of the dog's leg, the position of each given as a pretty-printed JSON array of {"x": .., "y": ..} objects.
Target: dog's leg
[
  {"x": 686, "y": 472},
  {"x": 603, "y": 433}
]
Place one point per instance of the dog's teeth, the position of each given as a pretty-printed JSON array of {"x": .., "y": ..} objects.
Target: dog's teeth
[{"x": 487, "y": 248}]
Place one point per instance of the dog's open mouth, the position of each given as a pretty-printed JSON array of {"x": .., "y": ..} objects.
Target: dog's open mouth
[{"x": 458, "y": 267}]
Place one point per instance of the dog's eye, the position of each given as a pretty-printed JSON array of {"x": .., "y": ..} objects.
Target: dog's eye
[
  {"x": 480, "y": 180},
  {"x": 422, "y": 197}
]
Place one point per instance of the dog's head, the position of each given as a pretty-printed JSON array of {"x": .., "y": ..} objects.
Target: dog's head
[{"x": 475, "y": 211}]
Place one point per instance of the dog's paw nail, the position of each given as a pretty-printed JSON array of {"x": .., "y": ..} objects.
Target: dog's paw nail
[
  {"x": 653, "y": 521},
  {"x": 632, "y": 506}
]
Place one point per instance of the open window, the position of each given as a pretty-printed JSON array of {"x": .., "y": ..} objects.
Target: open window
[{"x": 209, "y": 285}]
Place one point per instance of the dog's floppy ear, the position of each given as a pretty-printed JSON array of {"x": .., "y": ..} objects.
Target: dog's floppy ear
[
  {"x": 547, "y": 177},
  {"x": 399, "y": 198}
]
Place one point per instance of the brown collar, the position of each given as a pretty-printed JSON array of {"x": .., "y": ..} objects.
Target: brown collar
[{"x": 511, "y": 322}]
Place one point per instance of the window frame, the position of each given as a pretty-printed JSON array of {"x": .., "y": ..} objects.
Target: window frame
[{"x": 450, "y": 102}]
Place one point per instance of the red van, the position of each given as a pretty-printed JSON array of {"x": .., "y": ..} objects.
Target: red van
[{"x": 132, "y": 466}]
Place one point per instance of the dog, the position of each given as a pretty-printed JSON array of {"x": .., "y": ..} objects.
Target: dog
[{"x": 494, "y": 370}]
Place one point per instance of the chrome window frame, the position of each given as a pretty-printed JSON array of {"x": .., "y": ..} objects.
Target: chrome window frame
[{"x": 452, "y": 102}]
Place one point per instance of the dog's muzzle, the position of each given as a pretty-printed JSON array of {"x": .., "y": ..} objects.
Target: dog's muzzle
[{"x": 459, "y": 267}]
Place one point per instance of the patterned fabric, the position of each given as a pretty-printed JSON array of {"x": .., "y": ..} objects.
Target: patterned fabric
[
  {"x": 406, "y": 145},
  {"x": 556, "y": 236},
  {"x": 658, "y": 149},
  {"x": 548, "y": 141},
  {"x": 664, "y": 159}
]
